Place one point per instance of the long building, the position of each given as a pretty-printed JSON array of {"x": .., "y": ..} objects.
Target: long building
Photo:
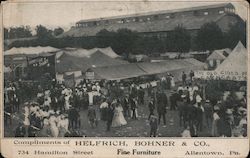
[{"x": 160, "y": 23}]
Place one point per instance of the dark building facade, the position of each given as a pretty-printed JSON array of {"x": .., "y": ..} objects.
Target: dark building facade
[{"x": 160, "y": 23}]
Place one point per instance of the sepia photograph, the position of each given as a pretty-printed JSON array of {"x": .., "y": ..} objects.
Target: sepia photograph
[{"x": 125, "y": 69}]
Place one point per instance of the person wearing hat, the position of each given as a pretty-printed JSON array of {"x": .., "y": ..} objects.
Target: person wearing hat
[
  {"x": 225, "y": 125},
  {"x": 153, "y": 122},
  {"x": 208, "y": 112},
  {"x": 173, "y": 100},
  {"x": 73, "y": 117},
  {"x": 109, "y": 118},
  {"x": 184, "y": 77},
  {"x": 216, "y": 118},
  {"x": 53, "y": 125},
  {"x": 125, "y": 106},
  {"x": 134, "y": 106},
  {"x": 140, "y": 94},
  {"x": 103, "y": 109},
  {"x": 151, "y": 107},
  {"x": 92, "y": 116},
  {"x": 161, "y": 106},
  {"x": 63, "y": 125}
]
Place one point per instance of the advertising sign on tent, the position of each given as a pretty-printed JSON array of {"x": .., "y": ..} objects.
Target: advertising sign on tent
[
  {"x": 90, "y": 75},
  {"x": 40, "y": 65},
  {"x": 223, "y": 75},
  {"x": 234, "y": 67}
]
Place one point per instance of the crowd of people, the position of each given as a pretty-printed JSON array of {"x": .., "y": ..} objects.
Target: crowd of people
[{"x": 55, "y": 110}]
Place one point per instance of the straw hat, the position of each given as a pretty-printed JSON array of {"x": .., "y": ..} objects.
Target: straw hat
[{"x": 183, "y": 96}]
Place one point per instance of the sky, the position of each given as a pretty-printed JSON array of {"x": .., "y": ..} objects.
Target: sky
[{"x": 65, "y": 14}]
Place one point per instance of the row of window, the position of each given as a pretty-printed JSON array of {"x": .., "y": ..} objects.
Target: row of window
[
  {"x": 121, "y": 21},
  {"x": 145, "y": 19}
]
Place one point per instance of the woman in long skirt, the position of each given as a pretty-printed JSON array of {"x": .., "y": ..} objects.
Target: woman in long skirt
[{"x": 118, "y": 119}]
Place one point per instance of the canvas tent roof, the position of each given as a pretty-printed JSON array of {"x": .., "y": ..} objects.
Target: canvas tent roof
[
  {"x": 146, "y": 68},
  {"x": 233, "y": 68},
  {"x": 69, "y": 61},
  {"x": 169, "y": 65},
  {"x": 30, "y": 50},
  {"x": 118, "y": 72},
  {"x": 236, "y": 62},
  {"x": 219, "y": 54},
  {"x": 81, "y": 52}
]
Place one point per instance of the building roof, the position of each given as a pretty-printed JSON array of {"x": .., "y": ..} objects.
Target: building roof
[
  {"x": 190, "y": 22},
  {"x": 160, "y": 12}
]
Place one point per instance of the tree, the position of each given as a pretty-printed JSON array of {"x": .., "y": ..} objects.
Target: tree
[
  {"x": 19, "y": 32},
  {"x": 179, "y": 40},
  {"x": 236, "y": 33},
  {"x": 58, "y": 31},
  {"x": 105, "y": 38},
  {"x": 43, "y": 33},
  {"x": 124, "y": 41},
  {"x": 209, "y": 37}
]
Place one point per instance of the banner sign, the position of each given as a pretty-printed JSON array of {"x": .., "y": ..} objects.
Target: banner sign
[
  {"x": 38, "y": 66},
  {"x": 90, "y": 75},
  {"x": 222, "y": 75}
]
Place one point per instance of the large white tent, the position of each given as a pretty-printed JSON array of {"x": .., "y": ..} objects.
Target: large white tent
[
  {"x": 234, "y": 67},
  {"x": 30, "y": 50}
]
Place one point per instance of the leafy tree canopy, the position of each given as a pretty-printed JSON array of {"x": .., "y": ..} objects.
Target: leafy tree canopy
[
  {"x": 58, "y": 31},
  {"x": 209, "y": 37}
]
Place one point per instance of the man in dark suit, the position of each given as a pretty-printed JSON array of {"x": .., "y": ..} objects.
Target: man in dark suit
[
  {"x": 161, "y": 106},
  {"x": 151, "y": 107},
  {"x": 133, "y": 108},
  {"x": 173, "y": 100},
  {"x": 109, "y": 117},
  {"x": 74, "y": 118}
]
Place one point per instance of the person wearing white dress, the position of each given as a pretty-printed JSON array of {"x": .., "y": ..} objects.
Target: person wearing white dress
[
  {"x": 26, "y": 116},
  {"x": 186, "y": 132},
  {"x": 91, "y": 97},
  {"x": 198, "y": 99},
  {"x": 67, "y": 104},
  {"x": 118, "y": 119},
  {"x": 53, "y": 126},
  {"x": 172, "y": 81},
  {"x": 63, "y": 125}
]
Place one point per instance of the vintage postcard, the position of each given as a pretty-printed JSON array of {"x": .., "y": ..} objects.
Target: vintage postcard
[{"x": 124, "y": 79}]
